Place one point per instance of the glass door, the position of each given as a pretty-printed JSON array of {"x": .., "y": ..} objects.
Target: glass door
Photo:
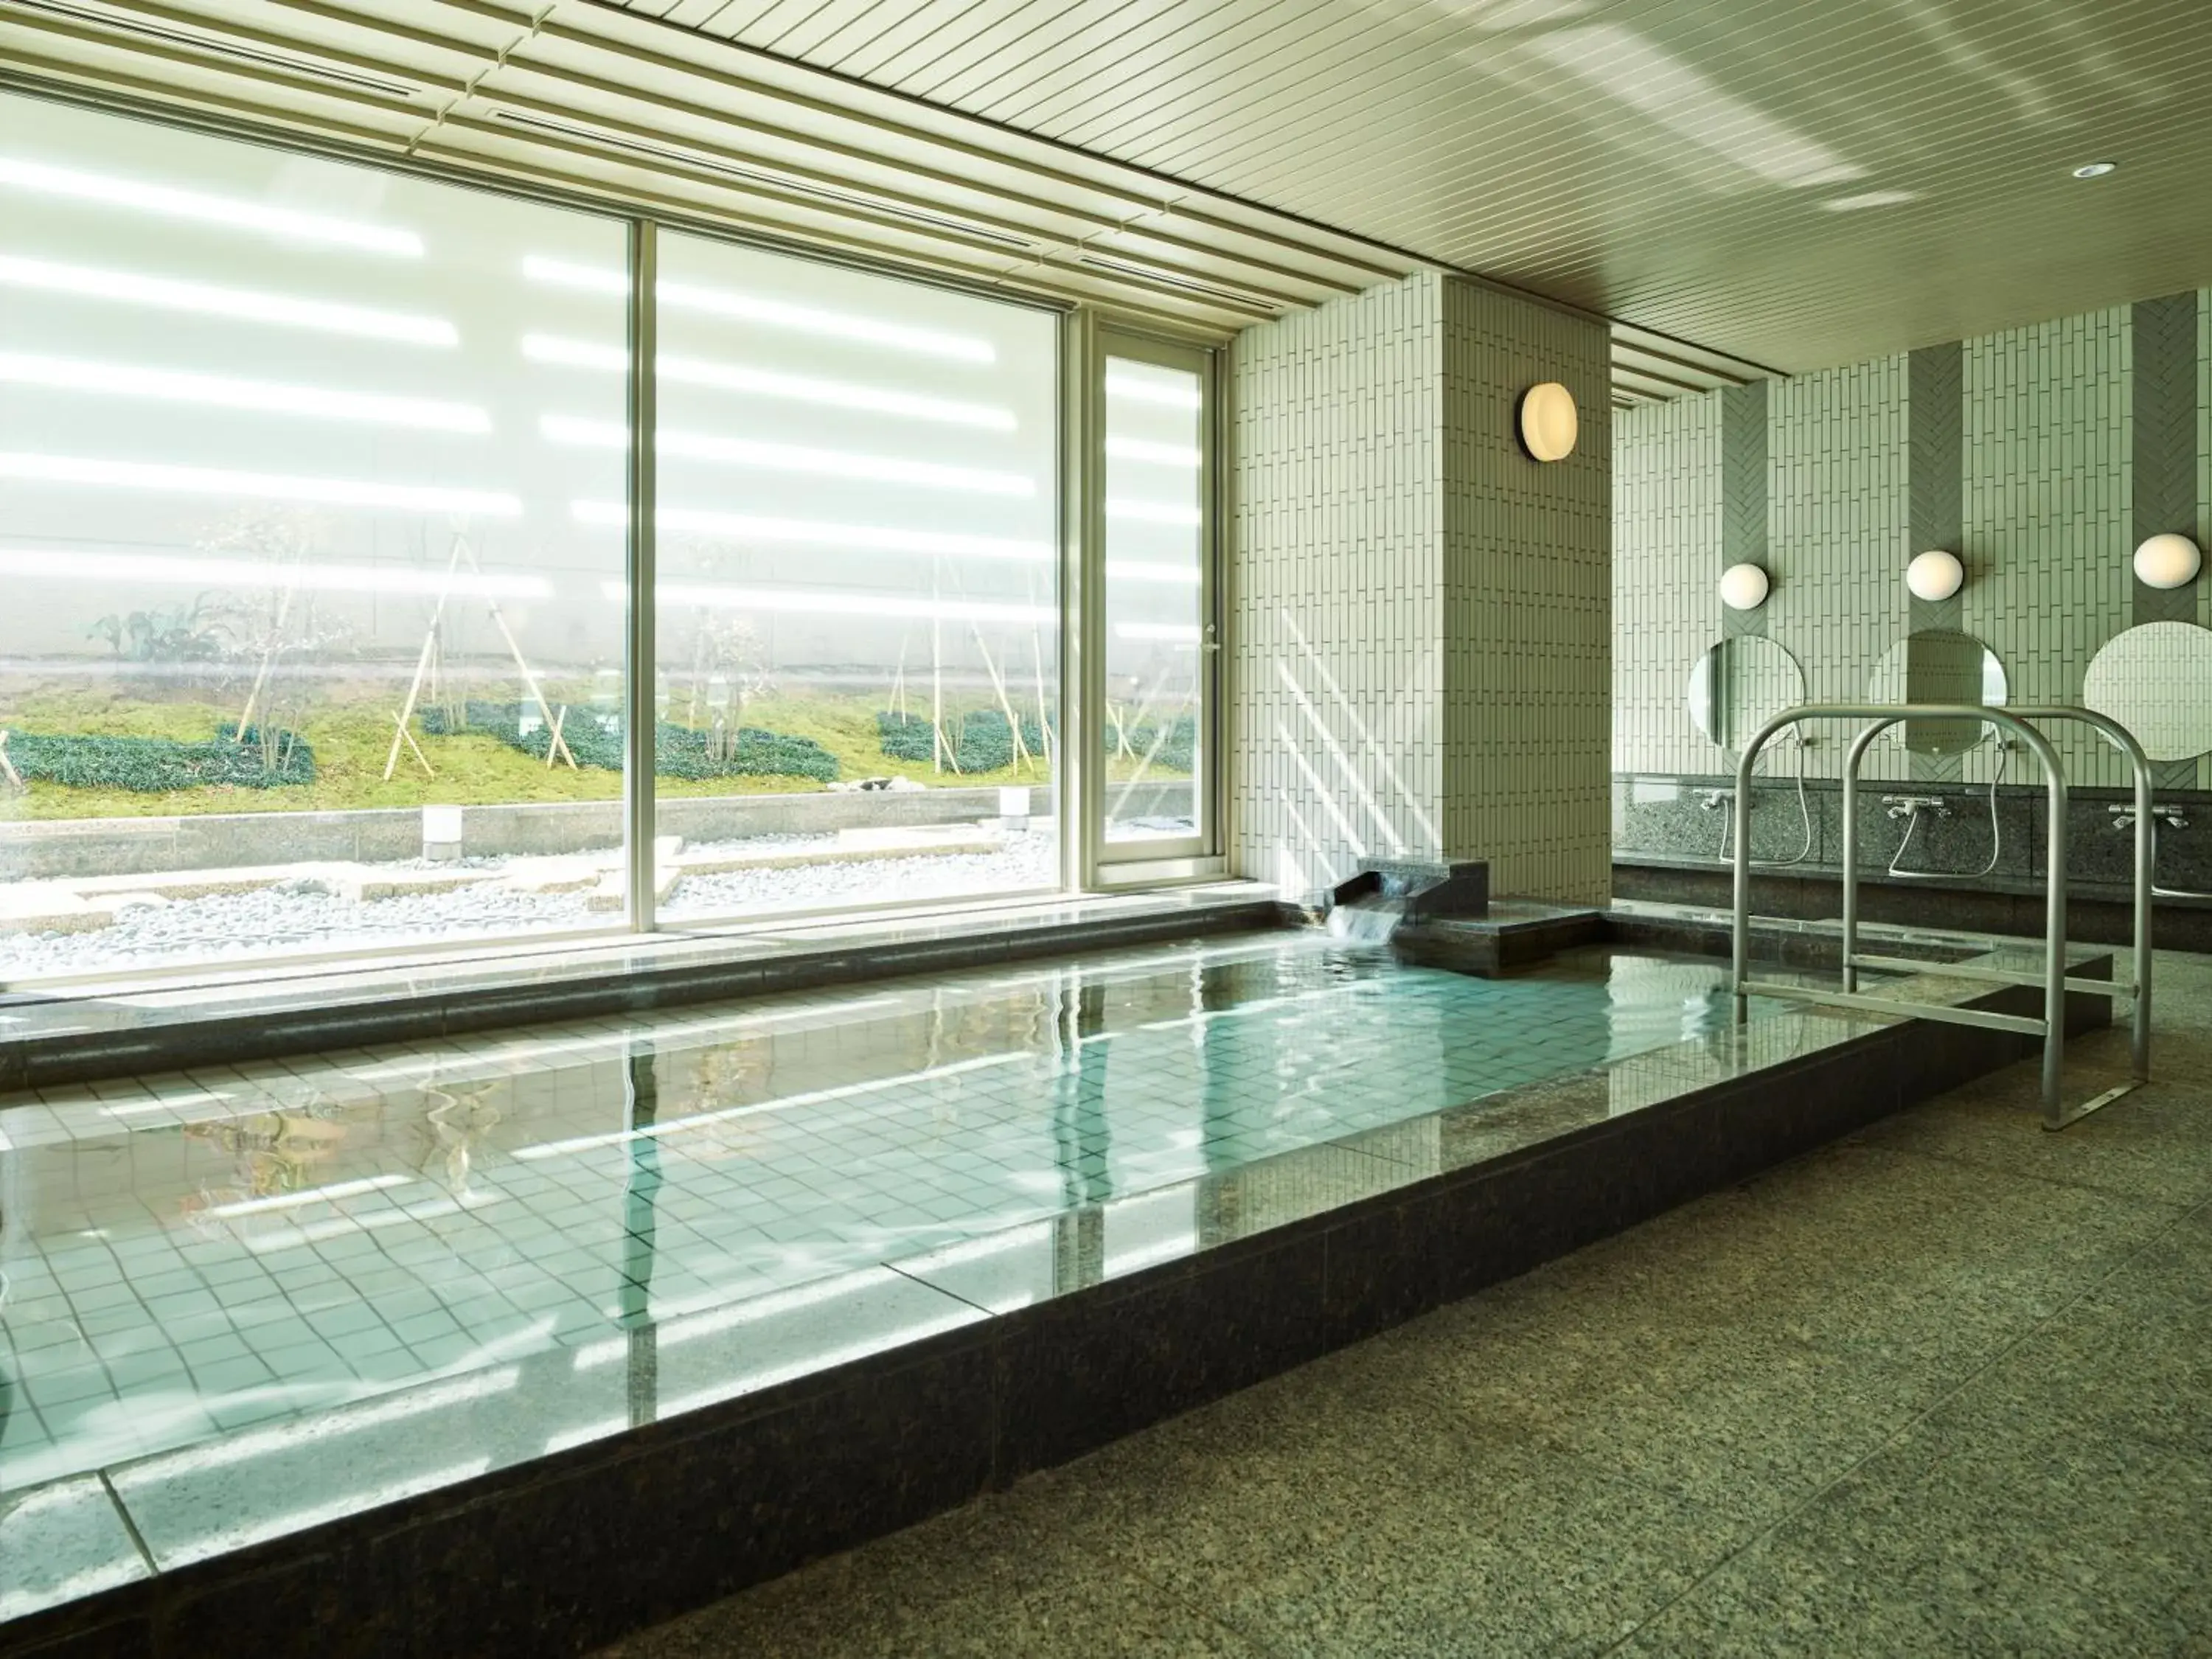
[{"x": 1154, "y": 728}]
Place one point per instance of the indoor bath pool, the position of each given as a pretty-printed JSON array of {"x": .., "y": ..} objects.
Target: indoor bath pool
[{"x": 247, "y": 1300}]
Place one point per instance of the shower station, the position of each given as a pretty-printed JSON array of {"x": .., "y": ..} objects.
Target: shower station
[{"x": 2053, "y": 977}]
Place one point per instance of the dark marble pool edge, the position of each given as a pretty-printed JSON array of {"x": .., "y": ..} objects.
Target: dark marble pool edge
[
  {"x": 47, "y": 1061},
  {"x": 562, "y": 1553}
]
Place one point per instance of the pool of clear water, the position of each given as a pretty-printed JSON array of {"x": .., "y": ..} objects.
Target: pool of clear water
[{"x": 190, "y": 1257}]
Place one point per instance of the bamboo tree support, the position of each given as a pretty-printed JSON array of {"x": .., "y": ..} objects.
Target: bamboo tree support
[
  {"x": 522, "y": 665},
  {"x": 557, "y": 744},
  {"x": 1121, "y": 733},
  {"x": 941, "y": 755},
  {"x": 8, "y": 767},
  {"x": 269, "y": 652},
  {"x": 1159, "y": 737},
  {"x": 426, "y": 666},
  {"x": 1021, "y": 750},
  {"x": 898, "y": 679},
  {"x": 698, "y": 674},
  {"x": 1044, "y": 711},
  {"x": 415, "y": 748}
]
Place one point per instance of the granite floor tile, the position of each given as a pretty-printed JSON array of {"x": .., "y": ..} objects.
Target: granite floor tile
[
  {"x": 975, "y": 1585},
  {"x": 1982, "y": 1531},
  {"x": 1387, "y": 1533},
  {"x": 2151, "y": 1150}
]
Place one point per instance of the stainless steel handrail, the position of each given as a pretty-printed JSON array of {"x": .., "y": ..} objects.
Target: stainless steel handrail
[
  {"x": 2051, "y": 1028},
  {"x": 2146, "y": 862}
]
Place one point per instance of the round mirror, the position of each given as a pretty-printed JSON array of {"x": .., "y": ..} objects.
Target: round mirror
[
  {"x": 2156, "y": 680},
  {"x": 1740, "y": 684},
  {"x": 1935, "y": 666}
]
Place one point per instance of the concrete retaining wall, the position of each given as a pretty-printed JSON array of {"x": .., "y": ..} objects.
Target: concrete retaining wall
[{"x": 39, "y": 850}]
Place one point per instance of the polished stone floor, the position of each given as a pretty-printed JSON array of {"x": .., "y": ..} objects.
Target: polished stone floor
[{"x": 1943, "y": 1388}]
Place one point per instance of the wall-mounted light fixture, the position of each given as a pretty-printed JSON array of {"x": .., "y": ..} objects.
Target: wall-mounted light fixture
[
  {"x": 1548, "y": 423},
  {"x": 1935, "y": 574},
  {"x": 1743, "y": 587},
  {"x": 2168, "y": 561}
]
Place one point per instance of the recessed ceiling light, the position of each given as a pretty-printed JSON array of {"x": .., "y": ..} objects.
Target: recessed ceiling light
[{"x": 2095, "y": 169}]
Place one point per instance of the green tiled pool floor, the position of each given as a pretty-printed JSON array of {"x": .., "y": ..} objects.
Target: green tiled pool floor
[{"x": 193, "y": 1256}]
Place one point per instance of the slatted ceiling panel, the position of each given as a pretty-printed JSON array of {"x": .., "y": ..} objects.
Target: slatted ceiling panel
[
  {"x": 598, "y": 103},
  {"x": 631, "y": 114},
  {"x": 1668, "y": 161}
]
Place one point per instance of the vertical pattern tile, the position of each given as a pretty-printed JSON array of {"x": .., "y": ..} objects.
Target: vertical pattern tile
[
  {"x": 1666, "y": 539},
  {"x": 2048, "y": 508},
  {"x": 1840, "y": 525},
  {"x": 2167, "y": 451},
  {"x": 1420, "y": 613},
  {"x": 1935, "y": 465},
  {"x": 1745, "y": 487},
  {"x": 1336, "y": 700},
  {"x": 2056, "y": 475},
  {"x": 2204, "y": 584},
  {"x": 1528, "y": 551},
  {"x": 2165, "y": 363}
]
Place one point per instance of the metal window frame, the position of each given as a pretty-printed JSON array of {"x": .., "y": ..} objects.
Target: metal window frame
[{"x": 1171, "y": 858}]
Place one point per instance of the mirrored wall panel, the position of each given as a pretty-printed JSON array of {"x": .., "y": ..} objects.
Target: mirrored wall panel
[
  {"x": 2156, "y": 680},
  {"x": 858, "y": 616},
  {"x": 1937, "y": 666},
  {"x": 1739, "y": 685},
  {"x": 308, "y": 647}
]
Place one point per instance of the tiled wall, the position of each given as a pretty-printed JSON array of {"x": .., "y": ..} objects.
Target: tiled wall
[
  {"x": 1666, "y": 459},
  {"x": 1527, "y": 558},
  {"x": 1336, "y": 672},
  {"x": 2039, "y": 455},
  {"x": 1418, "y": 613}
]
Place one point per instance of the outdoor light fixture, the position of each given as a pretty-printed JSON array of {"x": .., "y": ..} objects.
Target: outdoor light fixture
[
  {"x": 1548, "y": 422},
  {"x": 1743, "y": 587},
  {"x": 1935, "y": 574},
  {"x": 2168, "y": 561}
]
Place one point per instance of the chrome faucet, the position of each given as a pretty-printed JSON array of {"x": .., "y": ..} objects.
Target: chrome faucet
[
  {"x": 1909, "y": 806},
  {"x": 2123, "y": 816}
]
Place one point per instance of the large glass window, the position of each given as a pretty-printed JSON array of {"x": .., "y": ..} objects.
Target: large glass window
[
  {"x": 314, "y": 519},
  {"x": 308, "y": 644},
  {"x": 858, "y": 598}
]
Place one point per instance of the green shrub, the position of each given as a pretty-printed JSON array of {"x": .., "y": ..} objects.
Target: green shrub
[
  {"x": 678, "y": 750},
  {"x": 980, "y": 740},
  {"x": 158, "y": 765}
]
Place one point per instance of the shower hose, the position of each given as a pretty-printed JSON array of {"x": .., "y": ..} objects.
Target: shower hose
[{"x": 1997, "y": 835}]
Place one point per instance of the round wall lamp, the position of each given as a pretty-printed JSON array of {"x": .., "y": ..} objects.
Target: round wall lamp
[
  {"x": 1743, "y": 587},
  {"x": 1935, "y": 574},
  {"x": 1548, "y": 423},
  {"x": 2168, "y": 561}
]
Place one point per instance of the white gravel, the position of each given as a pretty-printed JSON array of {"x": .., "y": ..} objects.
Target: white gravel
[{"x": 305, "y": 917}]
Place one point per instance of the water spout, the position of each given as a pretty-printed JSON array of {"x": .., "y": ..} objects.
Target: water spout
[{"x": 1369, "y": 920}]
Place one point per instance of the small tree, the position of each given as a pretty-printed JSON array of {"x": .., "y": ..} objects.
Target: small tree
[
  {"x": 286, "y": 625},
  {"x": 727, "y": 648}
]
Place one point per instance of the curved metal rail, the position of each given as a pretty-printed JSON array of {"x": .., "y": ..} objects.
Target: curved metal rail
[{"x": 2053, "y": 978}]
